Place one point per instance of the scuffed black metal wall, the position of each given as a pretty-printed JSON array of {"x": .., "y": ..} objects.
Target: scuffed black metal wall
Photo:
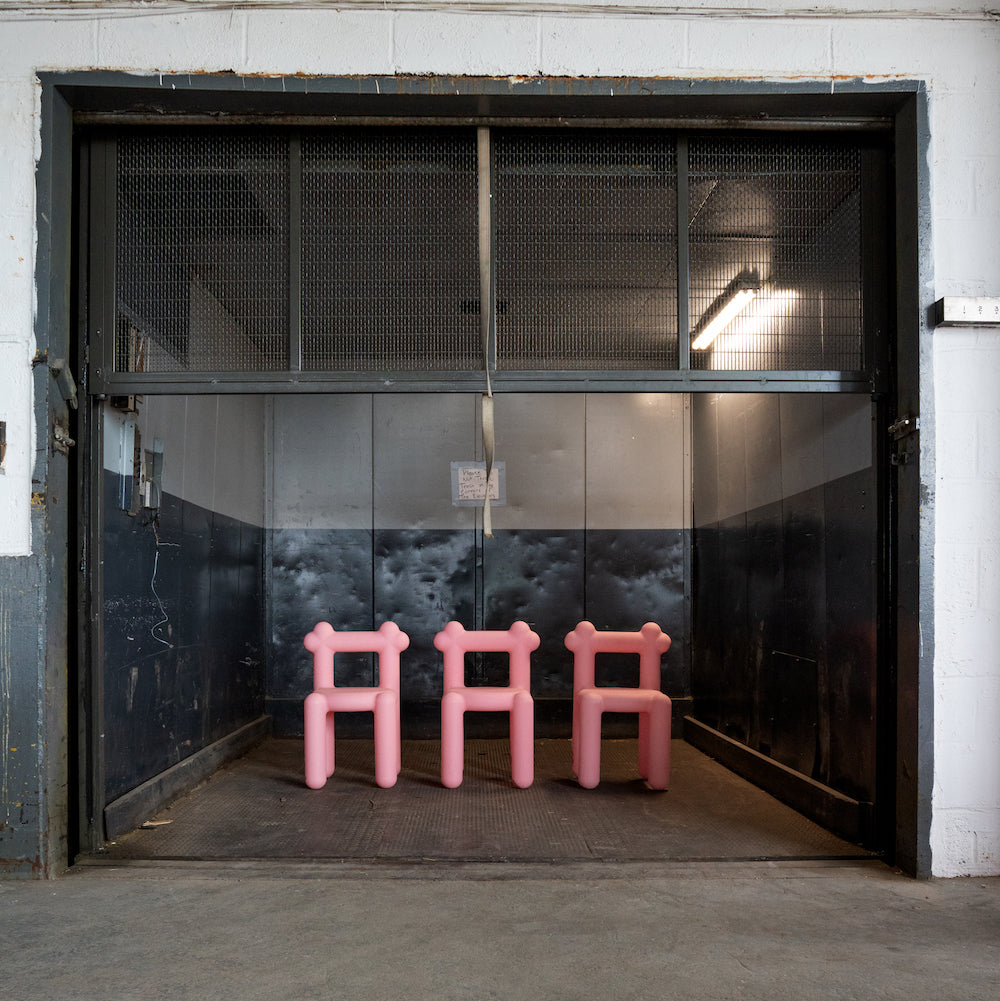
[
  {"x": 183, "y": 622},
  {"x": 363, "y": 530},
  {"x": 785, "y": 581}
]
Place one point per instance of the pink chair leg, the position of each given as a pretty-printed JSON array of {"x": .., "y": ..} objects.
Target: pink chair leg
[
  {"x": 387, "y": 751},
  {"x": 658, "y": 744},
  {"x": 331, "y": 743},
  {"x": 589, "y": 734},
  {"x": 575, "y": 741},
  {"x": 522, "y": 740},
  {"x": 318, "y": 749},
  {"x": 644, "y": 745},
  {"x": 399, "y": 739},
  {"x": 452, "y": 739}
]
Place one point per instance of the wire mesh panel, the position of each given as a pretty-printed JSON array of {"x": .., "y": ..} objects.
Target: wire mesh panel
[
  {"x": 585, "y": 230},
  {"x": 775, "y": 244},
  {"x": 390, "y": 250},
  {"x": 202, "y": 253}
]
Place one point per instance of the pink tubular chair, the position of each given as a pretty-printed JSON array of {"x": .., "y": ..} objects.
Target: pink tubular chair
[
  {"x": 518, "y": 641},
  {"x": 589, "y": 701},
  {"x": 327, "y": 699}
]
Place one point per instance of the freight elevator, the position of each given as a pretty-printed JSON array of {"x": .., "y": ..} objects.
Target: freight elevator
[{"x": 679, "y": 336}]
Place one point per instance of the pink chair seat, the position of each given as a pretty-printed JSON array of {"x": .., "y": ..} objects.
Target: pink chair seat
[
  {"x": 591, "y": 701},
  {"x": 327, "y": 699},
  {"x": 454, "y": 641}
]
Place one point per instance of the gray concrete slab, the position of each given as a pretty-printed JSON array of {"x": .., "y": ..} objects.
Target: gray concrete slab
[{"x": 494, "y": 931}]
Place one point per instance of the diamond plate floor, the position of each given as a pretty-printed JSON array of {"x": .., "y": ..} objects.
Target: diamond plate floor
[{"x": 259, "y": 808}]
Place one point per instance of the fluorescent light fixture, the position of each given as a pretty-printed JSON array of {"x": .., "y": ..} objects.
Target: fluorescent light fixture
[{"x": 741, "y": 299}]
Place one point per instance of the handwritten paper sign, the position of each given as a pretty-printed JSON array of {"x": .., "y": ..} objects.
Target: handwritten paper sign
[{"x": 468, "y": 483}]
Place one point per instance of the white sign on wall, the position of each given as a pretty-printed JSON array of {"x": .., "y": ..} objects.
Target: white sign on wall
[{"x": 468, "y": 483}]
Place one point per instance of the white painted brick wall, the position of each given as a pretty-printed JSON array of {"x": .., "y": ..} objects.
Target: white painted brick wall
[{"x": 957, "y": 59}]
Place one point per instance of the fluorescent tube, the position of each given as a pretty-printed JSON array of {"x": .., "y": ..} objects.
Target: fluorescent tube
[{"x": 740, "y": 300}]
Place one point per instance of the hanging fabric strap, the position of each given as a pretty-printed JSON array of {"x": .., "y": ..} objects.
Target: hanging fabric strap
[
  {"x": 486, "y": 315},
  {"x": 488, "y": 443}
]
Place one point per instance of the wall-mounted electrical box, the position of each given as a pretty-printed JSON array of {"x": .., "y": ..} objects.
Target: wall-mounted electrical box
[{"x": 967, "y": 311}]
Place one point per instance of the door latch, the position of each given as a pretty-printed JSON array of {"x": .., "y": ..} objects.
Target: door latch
[
  {"x": 901, "y": 429},
  {"x": 905, "y": 425},
  {"x": 61, "y": 440}
]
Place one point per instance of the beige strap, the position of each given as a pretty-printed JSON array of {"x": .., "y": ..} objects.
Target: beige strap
[{"x": 489, "y": 441}]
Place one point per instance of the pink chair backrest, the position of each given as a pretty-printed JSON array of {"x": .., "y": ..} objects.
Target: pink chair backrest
[
  {"x": 650, "y": 643},
  {"x": 454, "y": 641},
  {"x": 324, "y": 641}
]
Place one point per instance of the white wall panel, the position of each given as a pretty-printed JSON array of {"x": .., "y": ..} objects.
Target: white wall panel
[
  {"x": 15, "y": 477},
  {"x": 457, "y": 43},
  {"x": 627, "y": 47},
  {"x": 205, "y": 42},
  {"x": 320, "y": 43},
  {"x": 780, "y": 47}
]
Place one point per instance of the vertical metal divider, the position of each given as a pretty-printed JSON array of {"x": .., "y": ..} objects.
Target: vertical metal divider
[
  {"x": 684, "y": 364},
  {"x": 876, "y": 266},
  {"x": 487, "y": 332},
  {"x": 683, "y": 258},
  {"x": 99, "y": 235},
  {"x": 268, "y": 547},
  {"x": 295, "y": 252}
]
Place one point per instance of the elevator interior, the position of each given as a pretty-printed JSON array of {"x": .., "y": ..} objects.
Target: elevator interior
[
  {"x": 291, "y": 331},
  {"x": 744, "y": 524}
]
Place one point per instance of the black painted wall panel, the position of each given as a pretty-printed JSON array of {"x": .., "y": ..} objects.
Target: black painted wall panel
[
  {"x": 183, "y": 634},
  {"x": 784, "y": 644},
  {"x": 849, "y": 691},
  {"x": 766, "y": 630}
]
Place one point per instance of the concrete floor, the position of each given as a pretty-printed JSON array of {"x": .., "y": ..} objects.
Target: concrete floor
[{"x": 802, "y": 931}]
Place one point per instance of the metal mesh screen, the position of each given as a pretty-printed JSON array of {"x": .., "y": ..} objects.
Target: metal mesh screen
[
  {"x": 585, "y": 231},
  {"x": 377, "y": 230},
  {"x": 781, "y": 219},
  {"x": 202, "y": 253},
  {"x": 390, "y": 250}
]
